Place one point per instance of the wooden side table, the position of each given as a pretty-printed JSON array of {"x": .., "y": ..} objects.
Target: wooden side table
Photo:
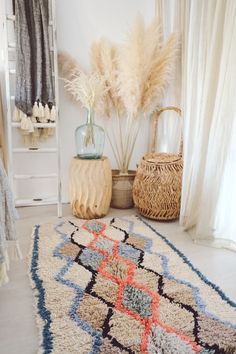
[{"x": 90, "y": 187}]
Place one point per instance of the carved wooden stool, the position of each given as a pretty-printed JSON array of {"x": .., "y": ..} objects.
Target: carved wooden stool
[{"x": 90, "y": 187}]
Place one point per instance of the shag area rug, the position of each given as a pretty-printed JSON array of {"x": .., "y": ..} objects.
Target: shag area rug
[{"x": 116, "y": 286}]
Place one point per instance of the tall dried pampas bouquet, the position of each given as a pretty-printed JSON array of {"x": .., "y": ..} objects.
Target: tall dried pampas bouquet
[
  {"x": 137, "y": 75},
  {"x": 134, "y": 76}
]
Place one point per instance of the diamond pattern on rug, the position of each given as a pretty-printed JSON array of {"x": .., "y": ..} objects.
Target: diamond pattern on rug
[
  {"x": 126, "y": 330},
  {"x": 137, "y": 241},
  {"x": 161, "y": 341},
  {"x": 146, "y": 278},
  {"x": 152, "y": 262},
  {"x": 214, "y": 332},
  {"x": 179, "y": 292},
  {"x": 106, "y": 289},
  {"x": 176, "y": 316},
  {"x": 93, "y": 311},
  {"x": 137, "y": 300},
  {"x": 70, "y": 250},
  {"x": 93, "y": 226},
  {"x": 91, "y": 258},
  {"x": 129, "y": 252},
  {"x": 83, "y": 237},
  {"x": 118, "y": 292},
  {"x": 116, "y": 267},
  {"x": 103, "y": 244},
  {"x": 84, "y": 278}
]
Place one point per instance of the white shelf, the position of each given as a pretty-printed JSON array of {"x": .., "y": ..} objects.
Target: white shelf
[
  {"x": 36, "y": 125},
  {"x": 34, "y": 150},
  {"x": 48, "y": 175},
  {"x": 35, "y": 202}
]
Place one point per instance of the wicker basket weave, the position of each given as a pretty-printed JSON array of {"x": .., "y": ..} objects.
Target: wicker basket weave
[{"x": 158, "y": 181}]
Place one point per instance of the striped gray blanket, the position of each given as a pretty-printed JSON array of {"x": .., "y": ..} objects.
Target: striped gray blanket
[{"x": 34, "y": 93}]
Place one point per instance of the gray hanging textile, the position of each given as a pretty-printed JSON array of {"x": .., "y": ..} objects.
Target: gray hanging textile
[
  {"x": 9, "y": 247},
  {"x": 34, "y": 96}
]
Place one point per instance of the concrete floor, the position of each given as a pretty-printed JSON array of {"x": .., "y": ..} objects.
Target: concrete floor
[{"x": 18, "y": 332}]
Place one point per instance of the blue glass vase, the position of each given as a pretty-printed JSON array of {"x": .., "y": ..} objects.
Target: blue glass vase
[{"x": 89, "y": 139}]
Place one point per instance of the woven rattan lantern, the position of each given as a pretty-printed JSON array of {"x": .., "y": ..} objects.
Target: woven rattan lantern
[{"x": 158, "y": 181}]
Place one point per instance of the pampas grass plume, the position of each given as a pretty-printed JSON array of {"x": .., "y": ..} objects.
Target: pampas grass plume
[
  {"x": 145, "y": 67},
  {"x": 97, "y": 67},
  {"x": 87, "y": 89},
  {"x": 160, "y": 75},
  {"x": 67, "y": 66},
  {"x": 104, "y": 61}
]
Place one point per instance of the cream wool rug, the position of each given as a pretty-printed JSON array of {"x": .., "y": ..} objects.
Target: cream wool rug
[{"x": 116, "y": 286}]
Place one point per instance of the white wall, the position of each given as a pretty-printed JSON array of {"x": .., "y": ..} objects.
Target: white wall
[{"x": 79, "y": 22}]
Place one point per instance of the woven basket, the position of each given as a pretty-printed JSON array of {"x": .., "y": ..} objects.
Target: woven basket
[
  {"x": 158, "y": 181},
  {"x": 122, "y": 185}
]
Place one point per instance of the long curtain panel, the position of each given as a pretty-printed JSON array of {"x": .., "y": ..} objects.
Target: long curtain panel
[
  {"x": 169, "y": 124},
  {"x": 209, "y": 105}
]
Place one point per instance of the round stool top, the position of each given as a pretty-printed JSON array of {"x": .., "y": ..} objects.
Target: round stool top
[
  {"x": 103, "y": 158},
  {"x": 162, "y": 158}
]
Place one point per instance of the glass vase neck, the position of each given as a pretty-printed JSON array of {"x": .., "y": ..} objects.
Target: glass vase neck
[{"x": 90, "y": 116}]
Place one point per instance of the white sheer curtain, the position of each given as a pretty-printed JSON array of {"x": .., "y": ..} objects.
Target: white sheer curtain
[
  {"x": 169, "y": 125},
  {"x": 209, "y": 106}
]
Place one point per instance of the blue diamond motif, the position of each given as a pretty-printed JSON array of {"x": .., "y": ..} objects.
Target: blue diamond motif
[
  {"x": 91, "y": 258},
  {"x": 104, "y": 244},
  {"x": 129, "y": 252},
  {"x": 94, "y": 226},
  {"x": 138, "y": 301}
]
